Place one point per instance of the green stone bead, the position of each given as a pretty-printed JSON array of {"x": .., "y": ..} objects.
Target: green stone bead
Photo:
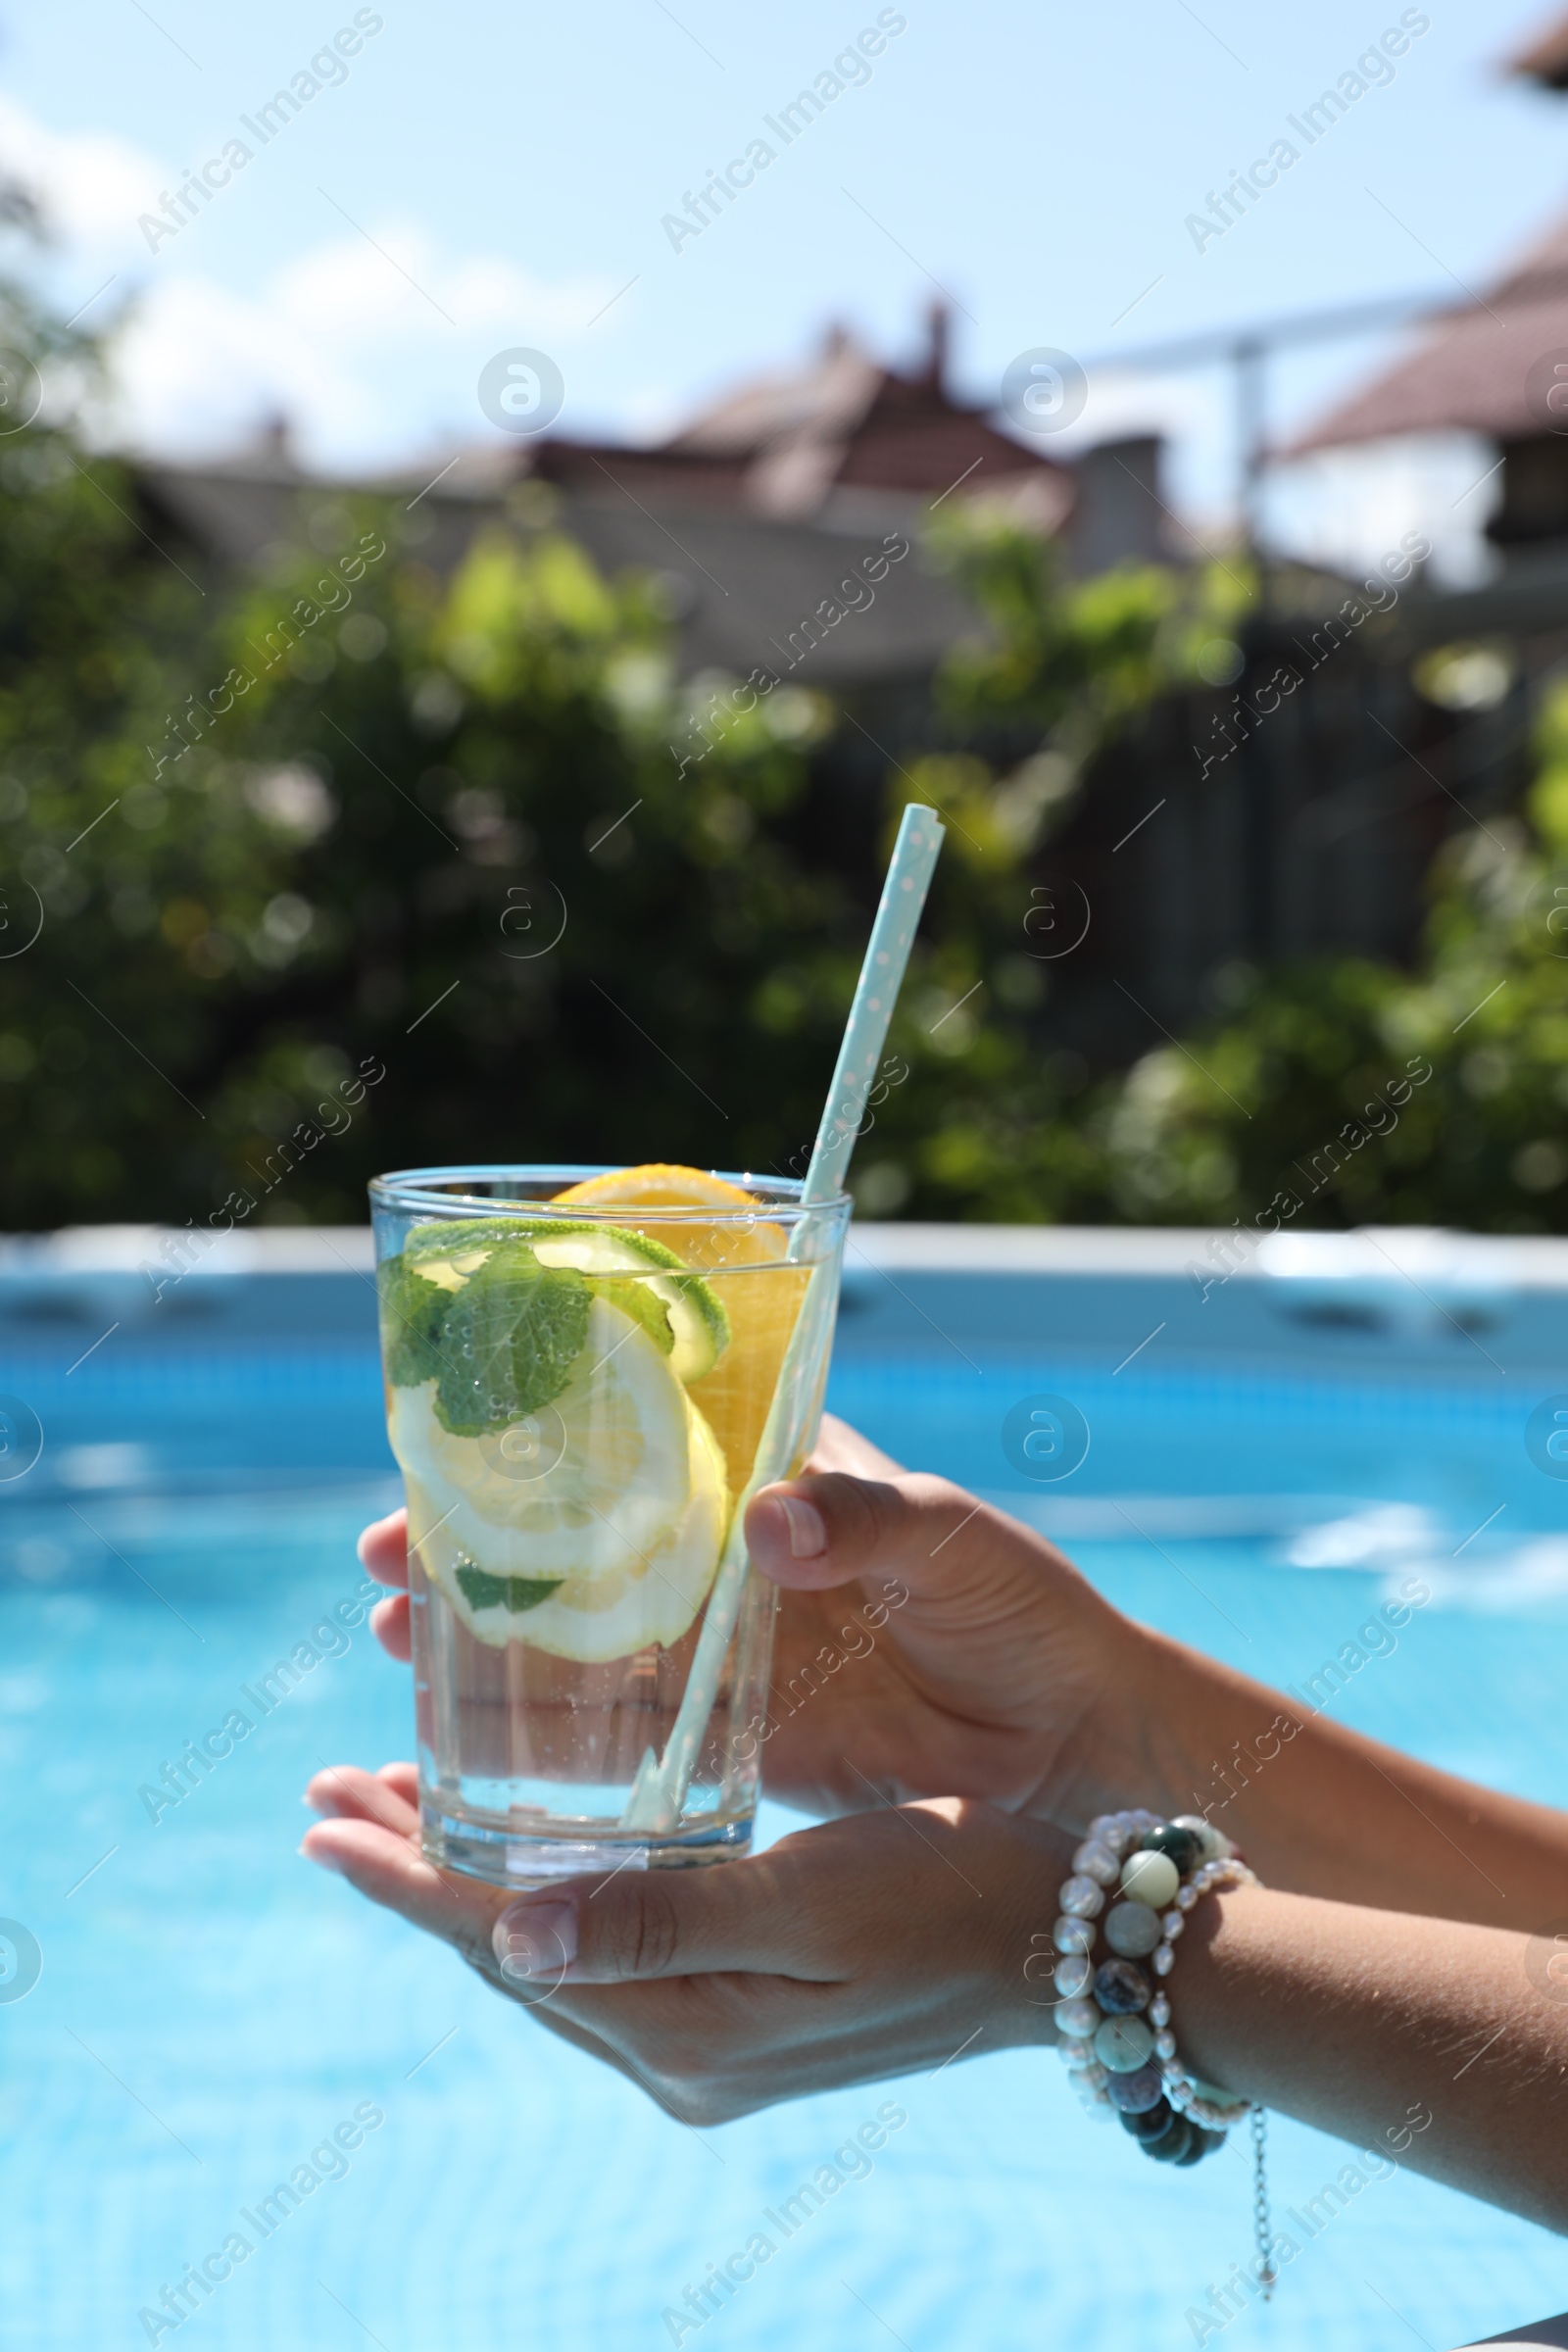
[
  {"x": 1151, "y": 1879},
  {"x": 1123, "y": 2043},
  {"x": 1132, "y": 1929}
]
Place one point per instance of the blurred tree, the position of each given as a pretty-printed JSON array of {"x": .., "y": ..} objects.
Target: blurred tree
[
  {"x": 1310, "y": 1091},
  {"x": 990, "y": 1125},
  {"x": 110, "y": 1000},
  {"x": 355, "y": 869}
]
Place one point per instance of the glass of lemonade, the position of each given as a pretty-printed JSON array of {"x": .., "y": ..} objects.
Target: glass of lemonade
[{"x": 586, "y": 1370}]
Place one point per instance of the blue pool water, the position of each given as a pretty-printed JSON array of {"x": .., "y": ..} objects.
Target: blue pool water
[{"x": 210, "y": 2008}]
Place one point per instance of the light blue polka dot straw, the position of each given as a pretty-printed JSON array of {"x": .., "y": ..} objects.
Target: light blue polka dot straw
[
  {"x": 659, "y": 1791},
  {"x": 914, "y": 857}
]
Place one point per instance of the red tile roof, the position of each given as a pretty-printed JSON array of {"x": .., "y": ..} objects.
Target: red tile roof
[{"x": 1482, "y": 367}]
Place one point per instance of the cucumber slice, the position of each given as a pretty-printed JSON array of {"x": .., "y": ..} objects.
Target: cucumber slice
[
  {"x": 447, "y": 1251},
  {"x": 697, "y": 1316}
]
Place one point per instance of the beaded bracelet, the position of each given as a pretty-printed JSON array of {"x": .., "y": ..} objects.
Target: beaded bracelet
[{"x": 1123, "y": 2064}]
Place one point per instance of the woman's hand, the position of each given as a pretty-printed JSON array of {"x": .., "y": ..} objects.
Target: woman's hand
[
  {"x": 920, "y": 1934},
  {"x": 926, "y": 1646},
  {"x": 859, "y": 1950}
]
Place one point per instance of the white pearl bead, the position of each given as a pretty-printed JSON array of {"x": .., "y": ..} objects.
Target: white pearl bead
[
  {"x": 1165, "y": 2045},
  {"x": 1159, "y": 2010},
  {"x": 1073, "y": 1936},
  {"x": 1102, "y": 1826},
  {"x": 1187, "y": 1897},
  {"x": 1073, "y": 1972},
  {"x": 1081, "y": 1898},
  {"x": 1173, "y": 1924},
  {"x": 1165, "y": 1960},
  {"x": 1095, "y": 1860},
  {"x": 1096, "y": 2074},
  {"x": 1078, "y": 2018}
]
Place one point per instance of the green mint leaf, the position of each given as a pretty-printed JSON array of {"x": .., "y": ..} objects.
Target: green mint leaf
[
  {"x": 638, "y": 1299},
  {"x": 410, "y": 1323},
  {"x": 455, "y": 1237},
  {"x": 509, "y": 1340},
  {"x": 481, "y": 1591}
]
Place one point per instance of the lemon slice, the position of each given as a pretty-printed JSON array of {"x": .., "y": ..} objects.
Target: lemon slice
[
  {"x": 611, "y": 1610},
  {"x": 745, "y": 1263},
  {"x": 657, "y": 1597},
  {"x": 570, "y": 1488}
]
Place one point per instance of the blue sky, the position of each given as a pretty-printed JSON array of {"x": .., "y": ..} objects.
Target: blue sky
[{"x": 495, "y": 176}]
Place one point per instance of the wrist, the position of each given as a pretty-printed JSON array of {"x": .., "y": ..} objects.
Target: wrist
[{"x": 1137, "y": 1737}]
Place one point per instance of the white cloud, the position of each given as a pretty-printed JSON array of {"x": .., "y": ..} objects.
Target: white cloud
[
  {"x": 348, "y": 287},
  {"x": 368, "y": 353},
  {"x": 370, "y": 344},
  {"x": 90, "y": 186}
]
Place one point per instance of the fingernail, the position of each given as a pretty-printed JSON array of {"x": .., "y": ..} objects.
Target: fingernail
[
  {"x": 535, "y": 1941},
  {"x": 322, "y": 1856},
  {"x": 807, "y": 1531}
]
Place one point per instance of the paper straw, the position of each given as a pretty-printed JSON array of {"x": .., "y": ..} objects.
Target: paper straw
[
  {"x": 660, "y": 1790},
  {"x": 887, "y": 953}
]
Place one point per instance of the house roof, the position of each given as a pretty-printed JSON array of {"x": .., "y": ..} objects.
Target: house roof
[
  {"x": 844, "y": 432},
  {"x": 1484, "y": 367}
]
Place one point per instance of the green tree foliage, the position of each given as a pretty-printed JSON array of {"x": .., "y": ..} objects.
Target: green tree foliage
[
  {"x": 1309, "y": 1092},
  {"x": 992, "y": 1127},
  {"x": 356, "y": 868},
  {"x": 105, "y": 1013}
]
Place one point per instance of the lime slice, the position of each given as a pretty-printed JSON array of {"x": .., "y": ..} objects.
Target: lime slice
[
  {"x": 696, "y": 1316},
  {"x": 448, "y": 1253},
  {"x": 566, "y": 1490}
]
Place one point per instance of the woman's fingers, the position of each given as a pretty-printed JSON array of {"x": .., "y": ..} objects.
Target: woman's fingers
[
  {"x": 839, "y": 1446},
  {"x": 383, "y": 1548},
  {"x": 800, "y": 1911},
  {"x": 818, "y": 1531},
  {"x": 388, "y": 1869},
  {"x": 343, "y": 1792},
  {"x": 389, "y": 1623},
  {"x": 404, "y": 1777}
]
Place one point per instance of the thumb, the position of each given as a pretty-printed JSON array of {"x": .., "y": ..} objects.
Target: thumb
[
  {"x": 641, "y": 1925},
  {"x": 815, "y": 1532}
]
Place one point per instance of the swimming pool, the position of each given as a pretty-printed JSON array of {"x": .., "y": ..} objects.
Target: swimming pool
[{"x": 210, "y": 2009}]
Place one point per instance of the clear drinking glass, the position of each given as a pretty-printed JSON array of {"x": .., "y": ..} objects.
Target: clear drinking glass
[{"x": 581, "y": 1392}]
